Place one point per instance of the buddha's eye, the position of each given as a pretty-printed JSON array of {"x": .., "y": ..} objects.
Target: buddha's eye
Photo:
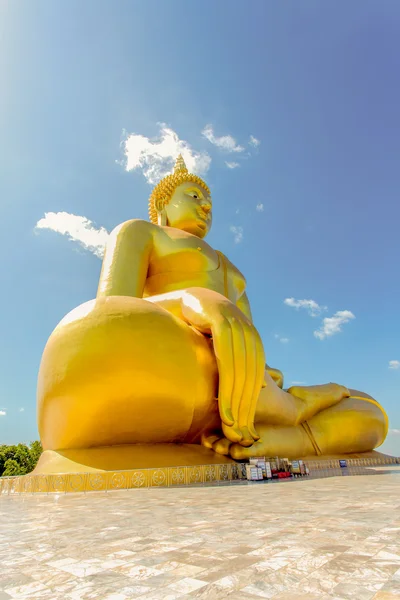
[{"x": 193, "y": 193}]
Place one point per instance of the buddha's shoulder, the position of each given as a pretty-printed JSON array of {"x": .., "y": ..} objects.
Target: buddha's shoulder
[{"x": 135, "y": 227}]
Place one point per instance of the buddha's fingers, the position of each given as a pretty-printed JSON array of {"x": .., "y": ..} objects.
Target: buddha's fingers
[
  {"x": 222, "y": 337},
  {"x": 222, "y": 446},
  {"x": 240, "y": 369},
  {"x": 208, "y": 440},
  {"x": 247, "y": 426},
  {"x": 258, "y": 383}
]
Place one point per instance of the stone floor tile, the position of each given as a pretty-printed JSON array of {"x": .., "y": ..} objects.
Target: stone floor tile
[
  {"x": 28, "y": 590},
  {"x": 300, "y": 596},
  {"x": 375, "y": 571},
  {"x": 187, "y": 585},
  {"x": 209, "y": 592},
  {"x": 356, "y": 591},
  {"x": 388, "y": 554},
  {"x": 133, "y": 591},
  {"x": 342, "y": 566},
  {"x": 391, "y": 587},
  {"x": 318, "y": 583},
  {"x": 13, "y": 578},
  {"x": 241, "y": 595},
  {"x": 261, "y": 589},
  {"x": 81, "y": 569}
]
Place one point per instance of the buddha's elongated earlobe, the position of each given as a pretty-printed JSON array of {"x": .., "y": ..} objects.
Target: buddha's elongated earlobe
[
  {"x": 162, "y": 217},
  {"x": 161, "y": 213}
]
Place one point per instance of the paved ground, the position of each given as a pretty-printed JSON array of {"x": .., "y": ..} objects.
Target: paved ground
[{"x": 322, "y": 539}]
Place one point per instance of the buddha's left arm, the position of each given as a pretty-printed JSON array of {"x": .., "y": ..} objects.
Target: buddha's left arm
[{"x": 244, "y": 305}]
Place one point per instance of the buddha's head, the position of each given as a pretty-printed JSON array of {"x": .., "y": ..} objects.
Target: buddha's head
[{"x": 182, "y": 200}]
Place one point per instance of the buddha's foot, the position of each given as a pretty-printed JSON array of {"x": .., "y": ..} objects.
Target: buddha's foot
[
  {"x": 315, "y": 398},
  {"x": 276, "y": 375},
  {"x": 290, "y": 442}
]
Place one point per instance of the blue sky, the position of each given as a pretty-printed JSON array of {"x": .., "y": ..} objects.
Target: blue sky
[{"x": 91, "y": 91}]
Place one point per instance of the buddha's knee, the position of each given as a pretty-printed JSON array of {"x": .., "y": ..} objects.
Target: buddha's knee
[
  {"x": 122, "y": 370},
  {"x": 353, "y": 425}
]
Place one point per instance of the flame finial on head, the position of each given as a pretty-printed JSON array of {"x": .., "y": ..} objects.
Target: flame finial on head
[
  {"x": 180, "y": 165},
  {"x": 163, "y": 191}
]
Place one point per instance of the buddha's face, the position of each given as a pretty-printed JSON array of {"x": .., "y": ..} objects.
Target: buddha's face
[{"x": 190, "y": 209}]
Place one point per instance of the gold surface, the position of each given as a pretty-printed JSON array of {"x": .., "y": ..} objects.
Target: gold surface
[
  {"x": 168, "y": 354},
  {"x": 133, "y": 456}
]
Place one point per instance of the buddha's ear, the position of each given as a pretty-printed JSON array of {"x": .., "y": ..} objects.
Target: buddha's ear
[{"x": 161, "y": 212}]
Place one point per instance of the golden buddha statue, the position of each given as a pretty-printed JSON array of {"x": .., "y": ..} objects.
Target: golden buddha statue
[{"x": 165, "y": 367}]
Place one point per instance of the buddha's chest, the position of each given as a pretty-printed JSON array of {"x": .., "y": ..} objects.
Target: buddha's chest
[
  {"x": 180, "y": 260},
  {"x": 179, "y": 251}
]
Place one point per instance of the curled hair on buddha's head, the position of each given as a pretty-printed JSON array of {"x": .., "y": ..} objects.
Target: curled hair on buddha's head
[{"x": 164, "y": 190}]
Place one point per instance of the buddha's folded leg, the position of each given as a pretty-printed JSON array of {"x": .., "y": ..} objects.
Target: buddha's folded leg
[
  {"x": 122, "y": 371},
  {"x": 355, "y": 424},
  {"x": 276, "y": 406}
]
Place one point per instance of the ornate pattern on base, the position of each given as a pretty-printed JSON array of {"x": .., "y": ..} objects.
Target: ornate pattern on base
[{"x": 119, "y": 480}]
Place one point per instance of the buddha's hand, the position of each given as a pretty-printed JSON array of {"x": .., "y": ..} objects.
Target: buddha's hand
[{"x": 240, "y": 359}]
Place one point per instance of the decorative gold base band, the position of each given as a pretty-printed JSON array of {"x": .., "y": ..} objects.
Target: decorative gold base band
[{"x": 120, "y": 480}]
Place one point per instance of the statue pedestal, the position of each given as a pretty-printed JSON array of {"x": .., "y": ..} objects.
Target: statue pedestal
[{"x": 128, "y": 457}]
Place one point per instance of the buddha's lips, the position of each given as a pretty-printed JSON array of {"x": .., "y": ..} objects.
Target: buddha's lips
[{"x": 203, "y": 215}]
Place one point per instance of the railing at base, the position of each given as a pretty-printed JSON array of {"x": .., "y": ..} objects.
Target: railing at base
[{"x": 352, "y": 462}]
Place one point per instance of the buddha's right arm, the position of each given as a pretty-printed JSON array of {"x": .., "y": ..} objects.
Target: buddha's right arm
[
  {"x": 238, "y": 351},
  {"x": 126, "y": 260}
]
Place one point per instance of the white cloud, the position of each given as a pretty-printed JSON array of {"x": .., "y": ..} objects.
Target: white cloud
[
  {"x": 156, "y": 157},
  {"x": 224, "y": 142},
  {"x": 232, "y": 165},
  {"x": 394, "y": 364},
  {"x": 298, "y": 383},
  {"x": 253, "y": 141},
  {"x": 237, "y": 232},
  {"x": 77, "y": 229},
  {"x": 283, "y": 340},
  {"x": 394, "y": 431},
  {"x": 3, "y": 413},
  {"x": 260, "y": 207},
  {"x": 312, "y": 307},
  {"x": 332, "y": 325},
  {"x": 21, "y": 409}
]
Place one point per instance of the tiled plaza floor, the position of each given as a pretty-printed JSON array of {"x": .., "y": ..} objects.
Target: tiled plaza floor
[{"x": 335, "y": 538}]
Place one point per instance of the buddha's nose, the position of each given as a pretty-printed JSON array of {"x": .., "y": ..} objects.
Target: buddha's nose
[{"x": 206, "y": 207}]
